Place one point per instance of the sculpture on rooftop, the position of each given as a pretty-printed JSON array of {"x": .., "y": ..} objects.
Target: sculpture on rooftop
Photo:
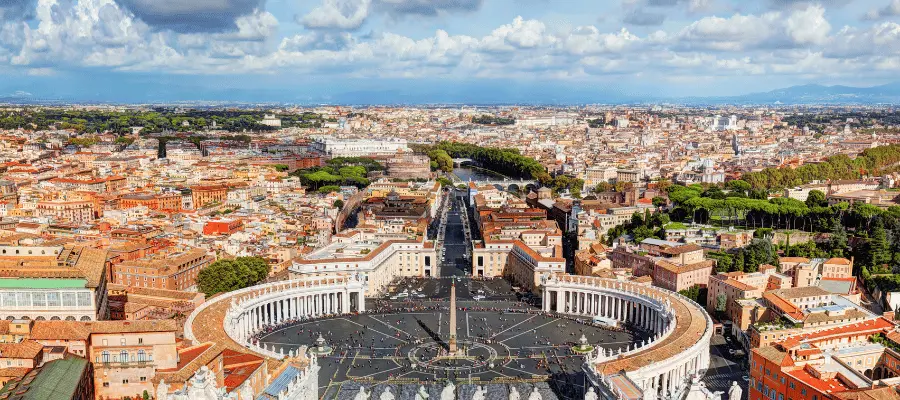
[
  {"x": 361, "y": 395},
  {"x": 162, "y": 390},
  {"x": 447, "y": 393},
  {"x": 479, "y": 393},
  {"x": 535, "y": 395},
  {"x": 513, "y": 393},
  {"x": 735, "y": 392},
  {"x": 386, "y": 394},
  {"x": 422, "y": 394}
]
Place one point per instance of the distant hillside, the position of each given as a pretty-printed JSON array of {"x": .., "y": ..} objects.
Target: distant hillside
[{"x": 813, "y": 94}]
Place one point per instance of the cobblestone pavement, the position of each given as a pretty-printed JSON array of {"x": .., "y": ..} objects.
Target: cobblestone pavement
[{"x": 376, "y": 348}]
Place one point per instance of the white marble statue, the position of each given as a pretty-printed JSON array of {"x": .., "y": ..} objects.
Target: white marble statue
[
  {"x": 422, "y": 394},
  {"x": 448, "y": 393},
  {"x": 386, "y": 394},
  {"x": 162, "y": 390},
  {"x": 535, "y": 395},
  {"x": 361, "y": 395},
  {"x": 735, "y": 392},
  {"x": 246, "y": 392},
  {"x": 513, "y": 393},
  {"x": 479, "y": 393},
  {"x": 591, "y": 394}
]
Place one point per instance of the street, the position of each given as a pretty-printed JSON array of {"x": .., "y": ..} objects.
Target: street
[{"x": 725, "y": 368}]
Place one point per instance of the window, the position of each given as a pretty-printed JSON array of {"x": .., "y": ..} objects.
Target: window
[
  {"x": 105, "y": 356},
  {"x": 123, "y": 356},
  {"x": 122, "y": 341},
  {"x": 141, "y": 356},
  {"x": 105, "y": 384}
]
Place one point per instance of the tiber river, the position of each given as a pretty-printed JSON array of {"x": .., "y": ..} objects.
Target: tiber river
[{"x": 476, "y": 174}]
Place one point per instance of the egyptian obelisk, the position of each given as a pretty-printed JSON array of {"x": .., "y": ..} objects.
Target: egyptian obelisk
[{"x": 452, "y": 342}]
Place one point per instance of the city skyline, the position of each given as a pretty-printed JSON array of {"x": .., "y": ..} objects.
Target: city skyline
[{"x": 412, "y": 51}]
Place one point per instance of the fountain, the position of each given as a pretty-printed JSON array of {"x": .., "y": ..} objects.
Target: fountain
[{"x": 582, "y": 347}]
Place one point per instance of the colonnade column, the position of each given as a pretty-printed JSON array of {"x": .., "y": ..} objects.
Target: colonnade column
[{"x": 560, "y": 301}]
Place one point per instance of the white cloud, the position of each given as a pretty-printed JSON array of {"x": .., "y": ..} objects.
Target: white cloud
[
  {"x": 338, "y": 14},
  {"x": 890, "y": 10},
  {"x": 808, "y": 26},
  {"x": 796, "y": 41}
]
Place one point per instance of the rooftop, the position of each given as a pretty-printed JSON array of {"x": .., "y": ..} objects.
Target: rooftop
[
  {"x": 56, "y": 379},
  {"x": 41, "y": 283}
]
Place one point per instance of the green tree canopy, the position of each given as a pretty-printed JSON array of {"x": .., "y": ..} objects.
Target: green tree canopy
[{"x": 227, "y": 275}]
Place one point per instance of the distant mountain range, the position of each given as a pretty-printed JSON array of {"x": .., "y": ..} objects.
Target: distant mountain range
[
  {"x": 812, "y": 94},
  {"x": 471, "y": 93}
]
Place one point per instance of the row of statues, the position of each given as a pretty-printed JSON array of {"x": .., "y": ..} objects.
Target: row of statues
[
  {"x": 449, "y": 393},
  {"x": 697, "y": 391}
]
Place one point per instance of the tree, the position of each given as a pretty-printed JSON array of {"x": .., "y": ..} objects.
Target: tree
[
  {"x": 663, "y": 184},
  {"x": 624, "y": 186},
  {"x": 816, "y": 199},
  {"x": 720, "y": 302},
  {"x": 659, "y": 202},
  {"x": 738, "y": 186},
  {"x": 879, "y": 249},
  {"x": 281, "y": 167},
  {"x": 226, "y": 275},
  {"x": 642, "y": 232},
  {"x": 602, "y": 187},
  {"x": 339, "y": 204},
  {"x": 442, "y": 160},
  {"x": 146, "y": 395},
  {"x": 838, "y": 241}
]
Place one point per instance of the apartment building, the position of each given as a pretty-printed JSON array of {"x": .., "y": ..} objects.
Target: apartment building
[
  {"x": 202, "y": 195},
  {"x": 836, "y": 363},
  {"x": 520, "y": 244},
  {"x": 157, "y": 202},
  {"x": 128, "y": 354},
  {"x": 672, "y": 265},
  {"x": 66, "y": 210},
  {"x": 172, "y": 269}
]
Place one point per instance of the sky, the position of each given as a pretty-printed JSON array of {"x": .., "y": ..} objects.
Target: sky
[{"x": 438, "y": 50}]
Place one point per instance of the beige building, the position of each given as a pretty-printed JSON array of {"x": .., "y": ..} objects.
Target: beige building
[
  {"x": 379, "y": 258},
  {"x": 75, "y": 211},
  {"x": 128, "y": 354},
  {"x": 520, "y": 244},
  {"x": 175, "y": 269}
]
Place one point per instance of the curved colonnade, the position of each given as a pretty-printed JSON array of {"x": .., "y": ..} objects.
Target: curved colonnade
[
  {"x": 656, "y": 368},
  {"x": 242, "y": 313},
  {"x": 230, "y": 320}
]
